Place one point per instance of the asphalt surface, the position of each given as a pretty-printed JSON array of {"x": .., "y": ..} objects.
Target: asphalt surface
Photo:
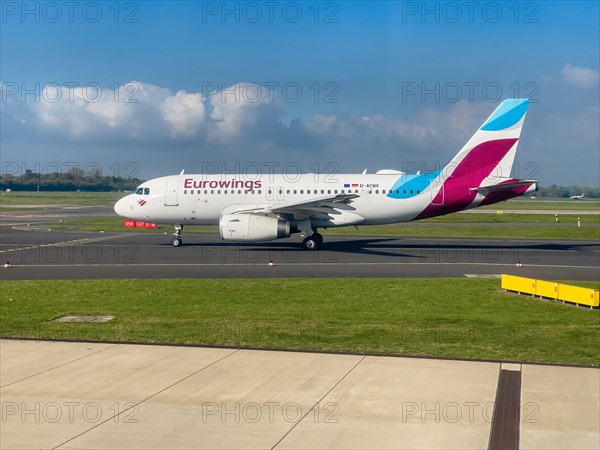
[
  {"x": 34, "y": 252},
  {"x": 34, "y": 215}
]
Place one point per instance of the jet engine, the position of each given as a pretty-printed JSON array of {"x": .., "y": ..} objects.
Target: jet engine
[{"x": 252, "y": 227}]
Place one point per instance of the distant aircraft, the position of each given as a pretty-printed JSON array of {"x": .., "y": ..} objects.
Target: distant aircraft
[
  {"x": 254, "y": 208},
  {"x": 577, "y": 197}
]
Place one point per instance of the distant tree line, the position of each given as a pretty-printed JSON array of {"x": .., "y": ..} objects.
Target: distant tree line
[
  {"x": 72, "y": 180},
  {"x": 567, "y": 191}
]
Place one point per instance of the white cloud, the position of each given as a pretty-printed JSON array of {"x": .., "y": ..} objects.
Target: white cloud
[
  {"x": 242, "y": 109},
  {"x": 184, "y": 113},
  {"x": 580, "y": 77},
  {"x": 138, "y": 111},
  {"x": 321, "y": 125}
]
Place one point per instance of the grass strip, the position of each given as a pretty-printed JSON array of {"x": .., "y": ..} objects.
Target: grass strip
[{"x": 470, "y": 318}]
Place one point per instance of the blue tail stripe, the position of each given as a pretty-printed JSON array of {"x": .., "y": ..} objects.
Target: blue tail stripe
[{"x": 508, "y": 114}]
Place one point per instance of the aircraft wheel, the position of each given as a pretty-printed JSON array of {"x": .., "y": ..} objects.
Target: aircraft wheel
[
  {"x": 176, "y": 242},
  {"x": 319, "y": 238},
  {"x": 310, "y": 243}
]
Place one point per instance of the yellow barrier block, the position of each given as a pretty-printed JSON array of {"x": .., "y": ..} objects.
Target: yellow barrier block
[
  {"x": 499, "y": 211},
  {"x": 518, "y": 284},
  {"x": 550, "y": 289},
  {"x": 547, "y": 289},
  {"x": 576, "y": 294}
]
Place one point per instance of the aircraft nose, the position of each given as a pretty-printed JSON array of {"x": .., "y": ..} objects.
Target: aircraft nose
[{"x": 121, "y": 207}]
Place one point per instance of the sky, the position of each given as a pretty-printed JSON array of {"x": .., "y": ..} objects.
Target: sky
[{"x": 150, "y": 88}]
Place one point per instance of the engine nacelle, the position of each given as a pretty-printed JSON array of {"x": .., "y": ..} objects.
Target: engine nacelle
[{"x": 251, "y": 227}]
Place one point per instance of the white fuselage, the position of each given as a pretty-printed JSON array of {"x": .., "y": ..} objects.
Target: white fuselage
[{"x": 201, "y": 199}]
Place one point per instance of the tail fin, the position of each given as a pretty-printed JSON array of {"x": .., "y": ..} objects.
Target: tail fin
[
  {"x": 490, "y": 153},
  {"x": 472, "y": 177}
]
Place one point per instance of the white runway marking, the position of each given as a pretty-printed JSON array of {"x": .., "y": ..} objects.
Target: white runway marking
[{"x": 295, "y": 264}]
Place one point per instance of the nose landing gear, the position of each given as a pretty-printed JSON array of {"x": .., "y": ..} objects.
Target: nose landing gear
[{"x": 177, "y": 241}]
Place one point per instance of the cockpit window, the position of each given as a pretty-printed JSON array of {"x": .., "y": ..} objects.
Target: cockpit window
[{"x": 142, "y": 191}]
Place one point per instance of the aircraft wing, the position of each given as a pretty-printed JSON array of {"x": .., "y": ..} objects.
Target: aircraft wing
[{"x": 321, "y": 207}]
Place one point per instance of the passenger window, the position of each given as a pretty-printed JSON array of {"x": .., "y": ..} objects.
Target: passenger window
[
  {"x": 397, "y": 191},
  {"x": 322, "y": 191},
  {"x": 377, "y": 191},
  {"x": 329, "y": 191},
  {"x": 185, "y": 192},
  {"x": 192, "y": 192}
]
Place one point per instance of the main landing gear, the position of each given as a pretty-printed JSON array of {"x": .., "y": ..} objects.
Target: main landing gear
[
  {"x": 313, "y": 242},
  {"x": 176, "y": 241}
]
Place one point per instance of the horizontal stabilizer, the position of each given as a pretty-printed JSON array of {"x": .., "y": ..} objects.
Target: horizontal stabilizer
[{"x": 504, "y": 186}]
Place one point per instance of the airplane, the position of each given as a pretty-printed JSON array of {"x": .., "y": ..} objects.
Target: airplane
[
  {"x": 577, "y": 197},
  {"x": 253, "y": 208}
]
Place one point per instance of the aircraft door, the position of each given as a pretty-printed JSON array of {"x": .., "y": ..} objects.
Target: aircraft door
[{"x": 171, "y": 192}]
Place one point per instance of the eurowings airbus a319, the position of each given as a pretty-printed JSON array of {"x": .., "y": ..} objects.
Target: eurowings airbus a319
[{"x": 268, "y": 207}]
